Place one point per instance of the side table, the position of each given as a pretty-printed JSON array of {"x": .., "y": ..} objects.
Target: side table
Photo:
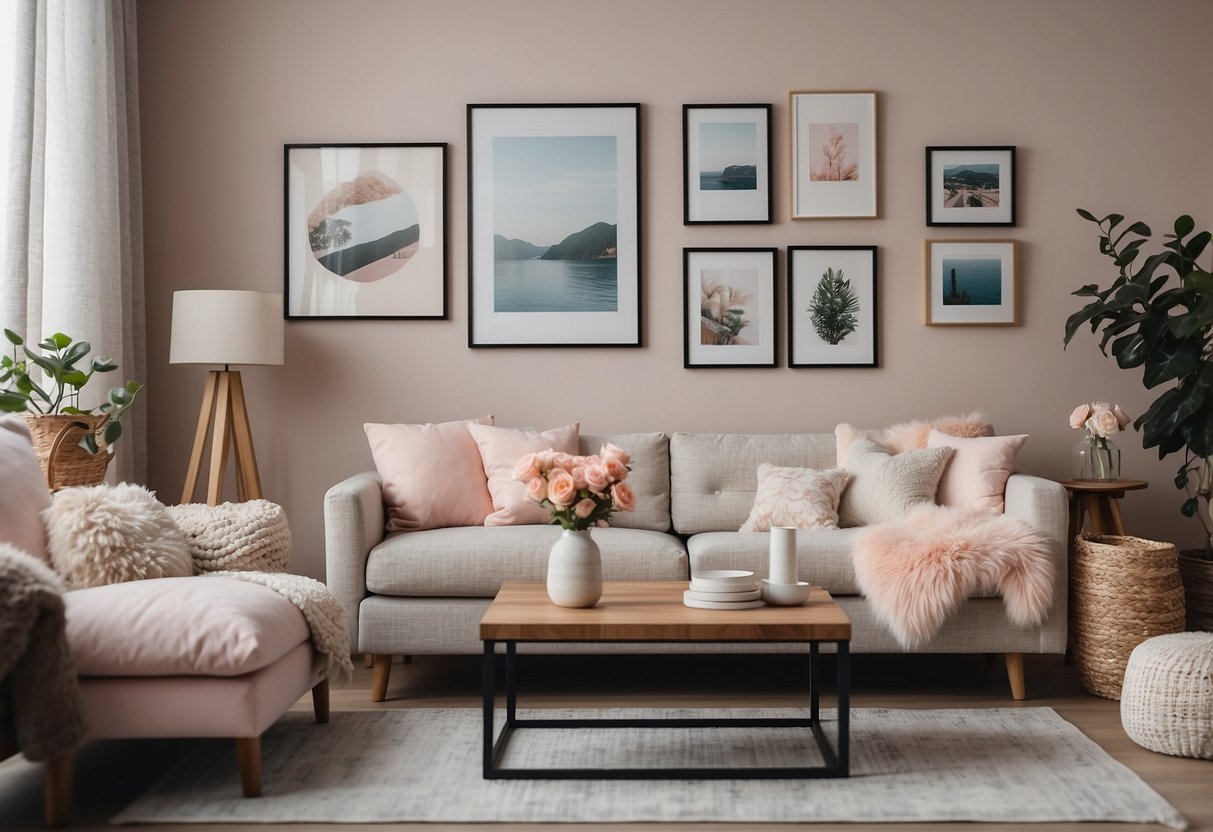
[{"x": 1095, "y": 503}]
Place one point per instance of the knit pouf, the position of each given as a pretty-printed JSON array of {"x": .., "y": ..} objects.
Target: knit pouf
[
  {"x": 1166, "y": 704},
  {"x": 235, "y": 536}
]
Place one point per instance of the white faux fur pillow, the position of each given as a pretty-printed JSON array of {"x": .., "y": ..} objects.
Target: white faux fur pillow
[
  {"x": 802, "y": 498},
  {"x": 102, "y": 534},
  {"x": 883, "y": 486}
]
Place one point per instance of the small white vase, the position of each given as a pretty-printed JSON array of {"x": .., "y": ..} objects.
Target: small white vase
[{"x": 575, "y": 570}]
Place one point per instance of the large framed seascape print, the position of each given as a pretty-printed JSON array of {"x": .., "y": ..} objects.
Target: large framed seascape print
[
  {"x": 972, "y": 282},
  {"x": 832, "y": 310},
  {"x": 726, "y": 163},
  {"x": 365, "y": 230},
  {"x": 971, "y": 185},
  {"x": 730, "y": 309},
  {"x": 833, "y": 154},
  {"x": 554, "y": 225}
]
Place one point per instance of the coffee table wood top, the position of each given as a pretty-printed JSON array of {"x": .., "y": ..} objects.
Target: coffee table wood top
[{"x": 653, "y": 611}]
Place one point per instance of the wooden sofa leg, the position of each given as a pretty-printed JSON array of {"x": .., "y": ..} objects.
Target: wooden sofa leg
[
  {"x": 368, "y": 660},
  {"x": 381, "y": 672},
  {"x": 1019, "y": 690},
  {"x": 248, "y": 759},
  {"x": 320, "y": 700},
  {"x": 57, "y": 791}
]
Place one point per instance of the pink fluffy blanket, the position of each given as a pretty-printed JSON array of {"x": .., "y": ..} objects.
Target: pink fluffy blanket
[{"x": 917, "y": 572}]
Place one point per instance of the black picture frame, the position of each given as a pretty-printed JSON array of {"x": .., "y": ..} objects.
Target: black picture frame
[
  {"x": 976, "y": 210},
  {"x": 718, "y": 142},
  {"x": 751, "y": 273},
  {"x": 375, "y": 185},
  {"x": 807, "y": 345},
  {"x": 586, "y": 160}
]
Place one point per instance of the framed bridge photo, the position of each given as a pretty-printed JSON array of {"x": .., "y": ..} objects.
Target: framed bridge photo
[{"x": 971, "y": 185}]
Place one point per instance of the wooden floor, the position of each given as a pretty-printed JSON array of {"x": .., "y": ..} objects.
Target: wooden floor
[{"x": 111, "y": 774}]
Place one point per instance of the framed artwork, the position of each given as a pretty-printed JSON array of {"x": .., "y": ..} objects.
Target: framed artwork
[
  {"x": 726, "y": 163},
  {"x": 972, "y": 282},
  {"x": 833, "y": 154},
  {"x": 365, "y": 231},
  {"x": 729, "y": 300},
  {"x": 554, "y": 225},
  {"x": 832, "y": 306},
  {"x": 971, "y": 185}
]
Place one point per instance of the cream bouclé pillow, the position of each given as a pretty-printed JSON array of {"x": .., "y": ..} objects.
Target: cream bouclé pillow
[
  {"x": 803, "y": 498},
  {"x": 883, "y": 486}
]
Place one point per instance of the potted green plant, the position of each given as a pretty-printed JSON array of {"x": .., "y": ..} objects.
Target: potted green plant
[
  {"x": 1158, "y": 315},
  {"x": 52, "y": 410}
]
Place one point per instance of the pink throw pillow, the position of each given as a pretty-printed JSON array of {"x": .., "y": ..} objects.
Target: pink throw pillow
[
  {"x": 803, "y": 498},
  {"x": 432, "y": 476},
  {"x": 977, "y": 475},
  {"x": 500, "y": 450},
  {"x": 911, "y": 435},
  {"x": 23, "y": 493}
]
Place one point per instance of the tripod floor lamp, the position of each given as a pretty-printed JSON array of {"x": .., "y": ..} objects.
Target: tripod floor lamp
[{"x": 219, "y": 326}]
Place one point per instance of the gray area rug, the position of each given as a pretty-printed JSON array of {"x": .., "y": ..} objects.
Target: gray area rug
[{"x": 995, "y": 764}]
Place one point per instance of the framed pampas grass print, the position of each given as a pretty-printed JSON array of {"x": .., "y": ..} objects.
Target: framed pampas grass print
[
  {"x": 833, "y": 154},
  {"x": 729, "y": 315}
]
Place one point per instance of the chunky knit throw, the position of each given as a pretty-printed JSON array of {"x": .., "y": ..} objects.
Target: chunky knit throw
[{"x": 235, "y": 536}]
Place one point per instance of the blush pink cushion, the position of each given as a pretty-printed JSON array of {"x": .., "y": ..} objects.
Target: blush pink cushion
[
  {"x": 500, "y": 449},
  {"x": 432, "y": 476},
  {"x": 977, "y": 475},
  {"x": 196, "y": 626},
  {"x": 23, "y": 494},
  {"x": 799, "y": 497}
]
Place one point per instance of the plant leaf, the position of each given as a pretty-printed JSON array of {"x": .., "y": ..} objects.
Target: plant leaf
[
  {"x": 133, "y": 387},
  {"x": 1086, "y": 215},
  {"x": 12, "y": 402},
  {"x": 13, "y": 338},
  {"x": 1184, "y": 226},
  {"x": 113, "y": 430},
  {"x": 1188, "y": 509},
  {"x": 59, "y": 340},
  {"x": 1168, "y": 362},
  {"x": 89, "y": 443}
]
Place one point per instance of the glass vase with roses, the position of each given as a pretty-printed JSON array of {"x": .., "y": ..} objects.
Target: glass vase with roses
[
  {"x": 1096, "y": 458},
  {"x": 580, "y": 492}
]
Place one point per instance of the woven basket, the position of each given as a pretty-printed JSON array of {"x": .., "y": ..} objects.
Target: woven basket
[
  {"x": 1197, "y": 574},
  {"x": 64, "y": 462},
  {"x": 1123, "y": 590}
]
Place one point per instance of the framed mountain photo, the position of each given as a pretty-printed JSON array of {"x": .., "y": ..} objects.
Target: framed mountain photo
[
  {"x": 554, "y": 225},
  {"x": 971, "y": 185},
  {"x": 726, "y": 163}
]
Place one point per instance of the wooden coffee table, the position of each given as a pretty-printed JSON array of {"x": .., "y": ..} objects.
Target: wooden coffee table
[{"x": 652, "y": 611}]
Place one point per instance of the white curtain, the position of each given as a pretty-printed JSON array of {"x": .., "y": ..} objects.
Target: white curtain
[{"x": 73, "y": 258}]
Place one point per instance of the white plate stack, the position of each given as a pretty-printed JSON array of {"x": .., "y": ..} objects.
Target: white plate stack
[{"x": 723, "y": 589}]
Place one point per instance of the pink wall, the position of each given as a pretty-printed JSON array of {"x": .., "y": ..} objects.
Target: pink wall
[{"x": 1110, "y": 103}]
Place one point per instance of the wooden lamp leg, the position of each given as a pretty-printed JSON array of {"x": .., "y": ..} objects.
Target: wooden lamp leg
[
  {"x": 219, "y": 440},
  {"x": 205, "y": 417},
  {"x": 242, "y": 434}
]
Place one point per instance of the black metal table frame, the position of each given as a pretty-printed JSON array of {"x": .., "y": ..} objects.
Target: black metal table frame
[{"x": 836, "y": 760}]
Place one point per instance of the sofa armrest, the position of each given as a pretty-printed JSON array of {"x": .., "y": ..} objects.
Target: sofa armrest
[
  {"x": 1043, "y": 504},
  {"x": 353, "y": 525}
]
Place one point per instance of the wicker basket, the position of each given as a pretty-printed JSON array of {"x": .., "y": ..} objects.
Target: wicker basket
[
  {"x": 1197, "y": 573},
  {"x": 1123, "y": 590},
  {"x": 64, "y": 462}
]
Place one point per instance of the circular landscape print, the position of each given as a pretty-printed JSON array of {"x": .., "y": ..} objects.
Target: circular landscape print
[{"x": 365, "y": 229}]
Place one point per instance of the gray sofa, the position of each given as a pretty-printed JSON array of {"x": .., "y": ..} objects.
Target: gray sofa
[{"x": 424, "y": 592}]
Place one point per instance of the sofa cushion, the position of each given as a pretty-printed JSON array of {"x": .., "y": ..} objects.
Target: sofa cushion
[
  {"x": 883, "y": 486},
  {"x": 823, "y": 556},
  {"x": 802, "y": 498},
  {"x": 978, "y": 473},
  {"x": 432, "y": 474},
  {"x": 474, "y": 562},
  {"x": 907, "y": 436},
  {"x": 714, "y": 476},
  {"x": 23, "y": 494},
  {"x": 649, "y": 477},
  {"x": 197, "y": 626},
  {"x": 500, "y": 450}
]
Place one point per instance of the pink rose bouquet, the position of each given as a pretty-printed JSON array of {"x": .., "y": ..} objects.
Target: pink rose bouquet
[
  {"x": 1101, "y": 420},
  {"x": 579, "y": 491}
]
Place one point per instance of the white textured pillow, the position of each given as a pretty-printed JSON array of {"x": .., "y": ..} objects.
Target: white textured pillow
[
  {"x": 803, "y": 498},
  {"x": 107, "y": 534},
  {"x": 883, "y": 486}
]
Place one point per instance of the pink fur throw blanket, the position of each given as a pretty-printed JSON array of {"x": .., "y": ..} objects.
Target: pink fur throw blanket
[{"x": 916, "y": 572}]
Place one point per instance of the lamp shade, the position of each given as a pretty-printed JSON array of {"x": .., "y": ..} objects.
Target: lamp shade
[{"x": 226, "y": 326}]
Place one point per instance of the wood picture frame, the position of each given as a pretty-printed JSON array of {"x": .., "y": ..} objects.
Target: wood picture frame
[
  {"x": 972, "y": 282},
  {"x": 834, "y": 155}
]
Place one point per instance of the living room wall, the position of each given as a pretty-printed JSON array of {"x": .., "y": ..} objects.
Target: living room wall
[{"x": 1109, "y": 102}]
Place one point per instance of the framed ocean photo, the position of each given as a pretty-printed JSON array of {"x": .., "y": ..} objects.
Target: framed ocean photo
[
  {"x": 729, "y": 315},
  {"x": 971, "y": 185},
  {"x": 726, "y": 152},
  {"x": 554, "y": 225},
  {"x": 832, "y": 306},
  {"x": 365, "y": 232},
  {"x": 834, "y": 154},
  {"x": 972, "y": 282}
]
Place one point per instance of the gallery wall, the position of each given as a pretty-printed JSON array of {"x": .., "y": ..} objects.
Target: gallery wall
[{"x": 1109, "y": 102}]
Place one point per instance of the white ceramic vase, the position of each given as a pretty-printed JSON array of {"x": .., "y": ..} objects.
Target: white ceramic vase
[{"x": 575, "y": 570}]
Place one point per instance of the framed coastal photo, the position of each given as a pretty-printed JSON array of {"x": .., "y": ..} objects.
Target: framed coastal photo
[
  {"x": 726, "y": 157},
  {"x": 833, "y": 154},
  {"x": 832, "y": 308},
  {"x": 365, "y": 231},
  {"x": 554, "y": 225},
  {"x": 972, "y": 282},
  {"x": 971, "y": 185},
  {"x": 729, "y": 299}
]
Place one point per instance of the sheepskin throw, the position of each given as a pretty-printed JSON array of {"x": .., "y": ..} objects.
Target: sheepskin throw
[
  {"x": 883, "y": 487},
  {"x": 106, "y": 534},
  {"x": 324, "y": 615},
  {"x": 917, "y": 572},
  {"x": 35, "y": 662},
  {"x": 236, "y": 536},
  {"x": 906, "y": 436}
]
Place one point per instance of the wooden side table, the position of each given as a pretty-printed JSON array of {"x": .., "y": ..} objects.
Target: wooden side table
[{"x": 1094, "y": 502}]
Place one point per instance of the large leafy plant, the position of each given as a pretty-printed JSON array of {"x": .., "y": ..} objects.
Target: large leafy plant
[
  {"x": 1158, "y": 315},
  {"x": 64, "y": 374}
]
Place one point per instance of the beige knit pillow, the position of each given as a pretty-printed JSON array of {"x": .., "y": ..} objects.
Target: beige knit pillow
[
  {"x": 802, "y": 498},
  {"x": 883, "y": 486},
  {"x": 243, "y": 537}
]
